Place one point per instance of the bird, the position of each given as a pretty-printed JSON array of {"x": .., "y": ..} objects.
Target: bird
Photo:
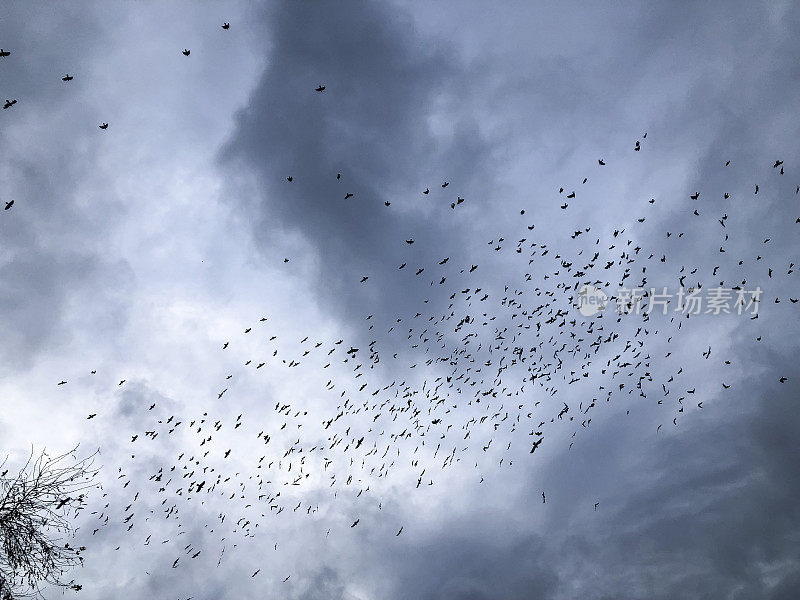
[
  {"x": 186, "y": 52},
  {"x": 348, "y": 195},
  {"x": 9, "y": 103},
  {"x": 596, "y": 504},
  {"x": 409, "y": 241},
  {"x": 226, "y": 25},
  {"x": 92, "y": 416},
  {"x": 103, "y": 126},
  {"x": 601, "y": 162},
  {"x": 66, "y": 78},
  {"x": 445, "y": 184},
  {"x": 544, "y": 499},
  {"x": 319, "y": 88},
  {"x": 62, "y": 382},
  {"x": 354, "y": 523},
  {"x": 4, "y": 53},
  {"x": 363, "y": 279},
  {"x": 9, "y": 204},
  {"x": 399, "y": 532},
  {"x": 783, "y": 379},
  {"x": 427, "y": 191}
]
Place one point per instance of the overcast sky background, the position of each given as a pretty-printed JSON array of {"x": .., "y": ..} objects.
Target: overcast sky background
[{"x": 139, "y": 250}]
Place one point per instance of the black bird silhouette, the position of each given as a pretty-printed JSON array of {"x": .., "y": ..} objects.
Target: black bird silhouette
[
  {"x": 226, "y": 25},
  {"x": 320, "y": 88},
  {"x": 289, "y": 178},
  {"x": 409, "y": 241},
  {"x": 601, "y": 162},
  {"x": 103, "y": 126},
  {"x": 61, "y": 382},
  {"x": 354, "y": 523},
  {"x": 66, "y": 78},
  {"x": 445, "y": 184},
  {"x": 427, "y": 191},
  {"x": 186, "y": 52},
  {"x": 348, "y": 195},
  {"x": 4, "y": 53},
  {"x": 9, "y": 204},
  {"x": 9, "y": 103}
]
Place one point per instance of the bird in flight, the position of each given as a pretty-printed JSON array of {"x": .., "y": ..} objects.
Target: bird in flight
[
  {"x": 9, "y": 103},
  {"x": 4, "y": 53},
  {"x": 9, "y": 204},
  {"x": 103, "y": 126},
  {"x": 226, "y": 25},
  {"x": 186, "y": 52},
  {"x": 319, "y": 88},
  {"x": 67, "y": 78}
]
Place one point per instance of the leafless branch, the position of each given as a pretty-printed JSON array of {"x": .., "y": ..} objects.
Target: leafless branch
[{"x": 37, "y": 508}]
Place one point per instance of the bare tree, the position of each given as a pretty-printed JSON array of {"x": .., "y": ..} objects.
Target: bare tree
[{"x": 38, "y": 506}]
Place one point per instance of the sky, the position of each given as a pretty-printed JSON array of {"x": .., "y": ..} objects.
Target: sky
[{"x": 144, "y": 251}]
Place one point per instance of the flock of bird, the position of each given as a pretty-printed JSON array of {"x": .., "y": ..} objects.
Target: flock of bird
[{"x": 476, "y": 378}]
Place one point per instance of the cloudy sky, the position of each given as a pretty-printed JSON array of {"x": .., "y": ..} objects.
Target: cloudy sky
[{"x": 140, "y": 250}]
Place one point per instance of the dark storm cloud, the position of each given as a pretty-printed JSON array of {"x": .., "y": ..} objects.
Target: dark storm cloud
[
  {"x": 698, "y": 514},
  {"x": 371, "y": 125}
]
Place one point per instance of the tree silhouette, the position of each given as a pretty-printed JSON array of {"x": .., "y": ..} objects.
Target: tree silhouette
[{"x": 38, "y": 506}]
